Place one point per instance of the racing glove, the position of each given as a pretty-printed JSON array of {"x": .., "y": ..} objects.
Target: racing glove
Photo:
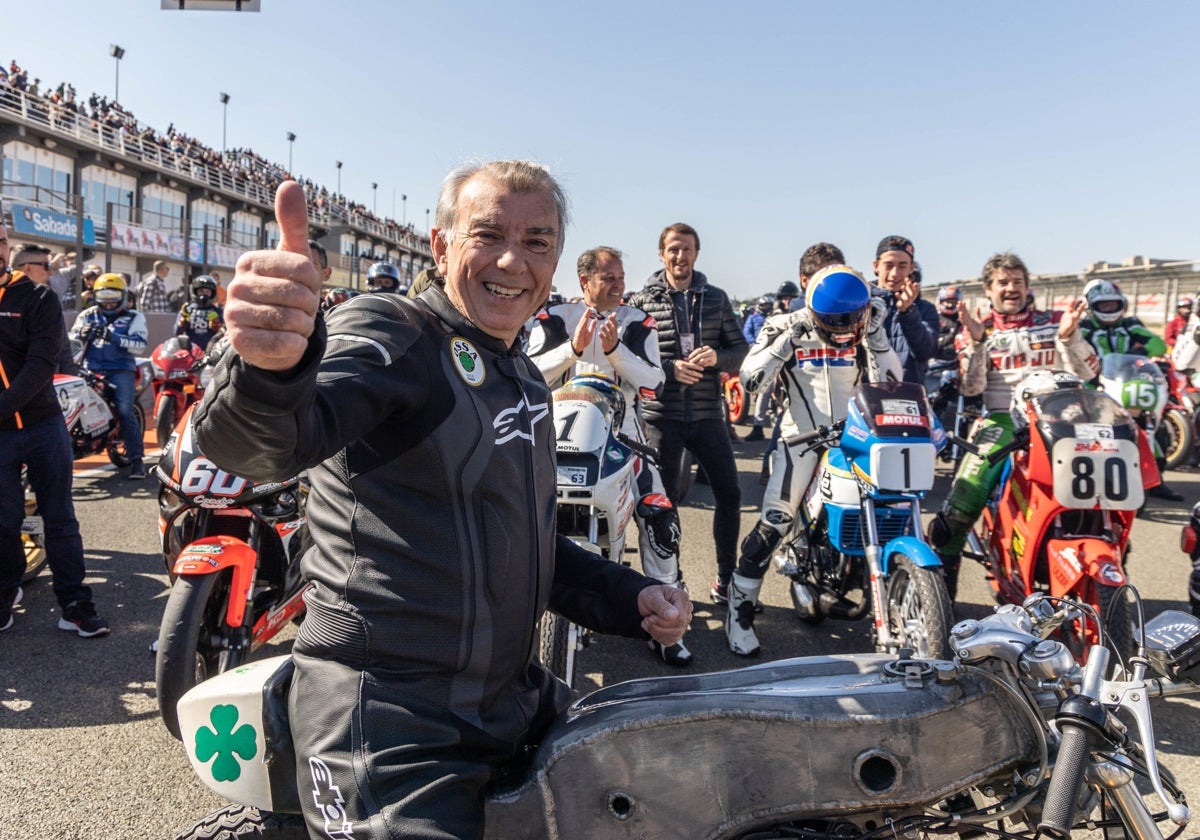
[{"x": 877, "y": 338}]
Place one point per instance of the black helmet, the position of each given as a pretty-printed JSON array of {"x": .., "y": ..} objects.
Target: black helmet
[
  {"x": 204, "y": 290},
  {"x": 788, "y": 289},
  {"x": 765, "y": 303},
  {"x": 379, "y": 275}
]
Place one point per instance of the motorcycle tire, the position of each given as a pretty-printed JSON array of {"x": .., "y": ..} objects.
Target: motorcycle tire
[
  {"x": 1175, "y": 437},
  {"x": 192, "y": 640},
  {"x": 165, "y": 418},
  {"x": 118, "y": 453},
  {"x": 918, "y": 609},
  {"x": 554, "y": 641},
  {"x": 34, "y": 545},
  {"x": 242, "y": 822}
]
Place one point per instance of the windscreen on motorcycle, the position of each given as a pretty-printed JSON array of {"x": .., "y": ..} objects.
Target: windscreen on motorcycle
[
  {"x": 893, "y": 409},
  {"x": 586, "y": 410},
  {"x": 1135, "y": 382},
  {"x": 1093, "y": 447}
]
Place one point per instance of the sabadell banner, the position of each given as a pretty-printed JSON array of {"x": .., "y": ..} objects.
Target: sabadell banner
[{"x": 38, "y": 221}]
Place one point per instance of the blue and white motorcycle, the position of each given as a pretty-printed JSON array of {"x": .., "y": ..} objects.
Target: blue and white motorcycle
[{"x": 857, "y": 547}]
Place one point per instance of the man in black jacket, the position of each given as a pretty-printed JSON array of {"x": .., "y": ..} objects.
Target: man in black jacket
[
  {"x": 429, "y": 443},
  {"x": 699, "y": 338},
  {"x": 32, "y": 433},
  {"x": 912, "y": 322}
]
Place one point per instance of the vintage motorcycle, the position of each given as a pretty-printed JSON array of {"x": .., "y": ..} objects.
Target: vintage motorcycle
[
  {"x": 181, "y": 374},
  {"x": 1059, "y": 520},
  {"x": 1011, "y": 738},
  {"x": 596, "y": 493},
  {"x": 1178, "y": 432},
  {"x": 232, "y": 549},
  {"x": 858, "y": 528},
  {"x": 89, "y": 408}
]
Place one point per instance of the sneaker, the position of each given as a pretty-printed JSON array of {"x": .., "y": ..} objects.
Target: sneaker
[
  {"x": 676, "y": 655},
  {"x": 81, "y": 617},
  {"x": 755, "y": 434},
  {"x": 719, "y": 591},
  {"x": 138, "y": 471},
  {"x": 6, "y": 613}
]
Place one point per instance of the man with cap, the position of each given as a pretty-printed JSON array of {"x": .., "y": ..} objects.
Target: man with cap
[
  {"x": 87, "y": 297},
  {"x": 911, "y": 322}
]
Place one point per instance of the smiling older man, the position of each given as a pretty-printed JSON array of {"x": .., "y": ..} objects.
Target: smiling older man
[{"x": 430, "y": 446}]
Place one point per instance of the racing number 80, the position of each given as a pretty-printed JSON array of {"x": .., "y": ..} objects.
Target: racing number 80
[{"x": 1083, "y": 478}]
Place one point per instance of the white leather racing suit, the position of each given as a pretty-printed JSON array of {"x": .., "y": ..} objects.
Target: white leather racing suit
[
  {"x": 819, "y": 379},
  {"x": 634, "y": 364}
]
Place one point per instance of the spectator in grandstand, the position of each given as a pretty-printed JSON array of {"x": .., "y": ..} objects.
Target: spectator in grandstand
[{"x": 151, "y": 294}]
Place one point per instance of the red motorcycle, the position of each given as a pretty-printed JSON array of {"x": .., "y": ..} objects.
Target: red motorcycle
[
  {"x": 1060, "y": 519},
  {"x": 232, "y": 549},
  {"x": 89, "y": 406},
  {"x": 1178, "y": 432},
  {"x": 181, "y": 374}
]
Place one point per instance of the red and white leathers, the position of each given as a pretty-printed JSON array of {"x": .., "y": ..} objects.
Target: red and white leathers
[
  {"x": 1014, "y": 346},
  {"x": 635, "y": 366},
  {"x": 819, "y": 379}
]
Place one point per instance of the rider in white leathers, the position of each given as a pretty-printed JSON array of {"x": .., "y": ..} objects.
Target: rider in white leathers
[
  {"x": 601, "y": 335},
  {"x": 820, "y": 354}
]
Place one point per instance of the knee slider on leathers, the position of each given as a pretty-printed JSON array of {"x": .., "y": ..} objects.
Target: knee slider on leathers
[
  {"x": 756, "y": 549},
  {"x": 661, "y": 523}
]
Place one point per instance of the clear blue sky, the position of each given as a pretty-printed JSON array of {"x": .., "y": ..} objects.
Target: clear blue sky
[{"x": 1065, "y": 131}]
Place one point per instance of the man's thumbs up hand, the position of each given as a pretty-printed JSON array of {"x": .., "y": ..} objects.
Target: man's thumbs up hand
[{"x": 272, "y": 303}]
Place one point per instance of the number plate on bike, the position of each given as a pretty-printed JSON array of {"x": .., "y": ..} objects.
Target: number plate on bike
[
  {"x": 1101, "y": 473},
  {"x": 572, "y": 476},
  {"x": 902, "y": 466}
]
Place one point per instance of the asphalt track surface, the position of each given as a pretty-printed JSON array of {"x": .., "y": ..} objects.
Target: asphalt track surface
[{"x": 83, "y": 753}]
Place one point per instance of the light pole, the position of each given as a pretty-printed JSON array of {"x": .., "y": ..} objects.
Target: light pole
[
  {"x": 224, "y": 118},
  {"x": 117, "y": 53},
  {"x": 427, "y": 220},
  {"x": 291, "y": 139},
  {"x": 374, "y": 196},
  {"x": 403, "y": 209},
  {"x": 339, "y": 169}
]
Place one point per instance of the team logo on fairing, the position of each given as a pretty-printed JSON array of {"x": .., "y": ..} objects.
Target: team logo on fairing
[
  {"x": 466, "y": 359},
  {"x": 508, "y": 422},
  {"x": 329, "y": 801}
]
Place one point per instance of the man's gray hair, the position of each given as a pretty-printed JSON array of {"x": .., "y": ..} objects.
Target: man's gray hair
[
  {"x": 519, "y": 176},
  {"x": 585, "y": 266}
]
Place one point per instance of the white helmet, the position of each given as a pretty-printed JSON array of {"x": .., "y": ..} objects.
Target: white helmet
[
  {"x": 1105, "y": 301},
  {"x": 1040, "y": 382}
]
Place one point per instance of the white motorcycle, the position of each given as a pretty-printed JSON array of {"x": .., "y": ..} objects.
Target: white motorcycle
[
  {"x": 1013, "y": 738},
  {"x": 597, "y": 493}
]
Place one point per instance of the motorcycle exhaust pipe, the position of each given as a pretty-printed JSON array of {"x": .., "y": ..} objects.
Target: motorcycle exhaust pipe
[
  {"x": 804, "y": 600},
  {"x": 835, "y": 606}
]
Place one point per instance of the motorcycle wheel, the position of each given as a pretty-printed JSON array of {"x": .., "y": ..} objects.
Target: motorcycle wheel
[
  {"x": 234, "y": 821},
  {"x": 554, "y": 647},
  {"x": 193, "y": 641},
  {"x": 165, "y": 418},
  {"x": 918, "y": 609},
  {"x": 118, "y": 453},
  {"x": 34, "y": 545},
  {"x": 1175, "y": 438}
]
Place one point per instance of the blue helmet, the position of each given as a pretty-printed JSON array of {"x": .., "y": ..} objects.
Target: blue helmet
[{"x": 840, "y": 301}]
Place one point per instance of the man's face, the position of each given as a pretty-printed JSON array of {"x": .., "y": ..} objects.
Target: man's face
[
  {"x": 499, "y": 260},
  {"x": 37, "y": 271},
  {"x": 679, "y": 254},
  {"x": 1008, "y": 290},
  {"x": 892, "y": 269},
  {"x": 163, "y": 271},
  {"x": 603, "y": 288}
]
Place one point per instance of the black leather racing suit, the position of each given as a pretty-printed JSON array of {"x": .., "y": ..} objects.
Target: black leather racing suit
[{"x": 431, "y": 455}]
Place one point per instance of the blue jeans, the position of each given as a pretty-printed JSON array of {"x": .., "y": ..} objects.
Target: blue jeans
[
  {"x": 45, "y": 448},
  {"x": 708, "y": 441},
  {"x": 131, "y": 430}
]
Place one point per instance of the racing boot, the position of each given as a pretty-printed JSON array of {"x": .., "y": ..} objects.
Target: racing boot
[
  {"x": 1162, "y": 491},
  {"x": 739, "y": 621}
]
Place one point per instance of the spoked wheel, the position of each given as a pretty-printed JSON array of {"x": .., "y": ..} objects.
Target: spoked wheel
[
  {"x": 919, "y": 613},
  {"x": 118, "y": 452},
  {"x": 194, "y": 641},
  {"x": 1175, "y": 438},
  {"x": 234, "y": 821},
  {"x": 557, "y": 642}
]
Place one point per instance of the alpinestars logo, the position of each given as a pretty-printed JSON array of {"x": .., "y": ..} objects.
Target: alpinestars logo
[
  {"x": 508, "y": 422},
  {"x": 329, "y": 801}
]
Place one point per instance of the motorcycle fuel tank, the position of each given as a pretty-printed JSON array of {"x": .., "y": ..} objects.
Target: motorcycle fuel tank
[{"x": 713, "y": 755}]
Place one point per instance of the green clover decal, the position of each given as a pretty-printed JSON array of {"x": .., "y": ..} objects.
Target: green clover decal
[
  {"x": 223, "y": 742},
  {"x": 467, "y": 361}
]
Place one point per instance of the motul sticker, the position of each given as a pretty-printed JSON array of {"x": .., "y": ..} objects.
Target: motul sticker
[
  {"x": 467, "y": 360},
  {"x": 900, "y": 420}
]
